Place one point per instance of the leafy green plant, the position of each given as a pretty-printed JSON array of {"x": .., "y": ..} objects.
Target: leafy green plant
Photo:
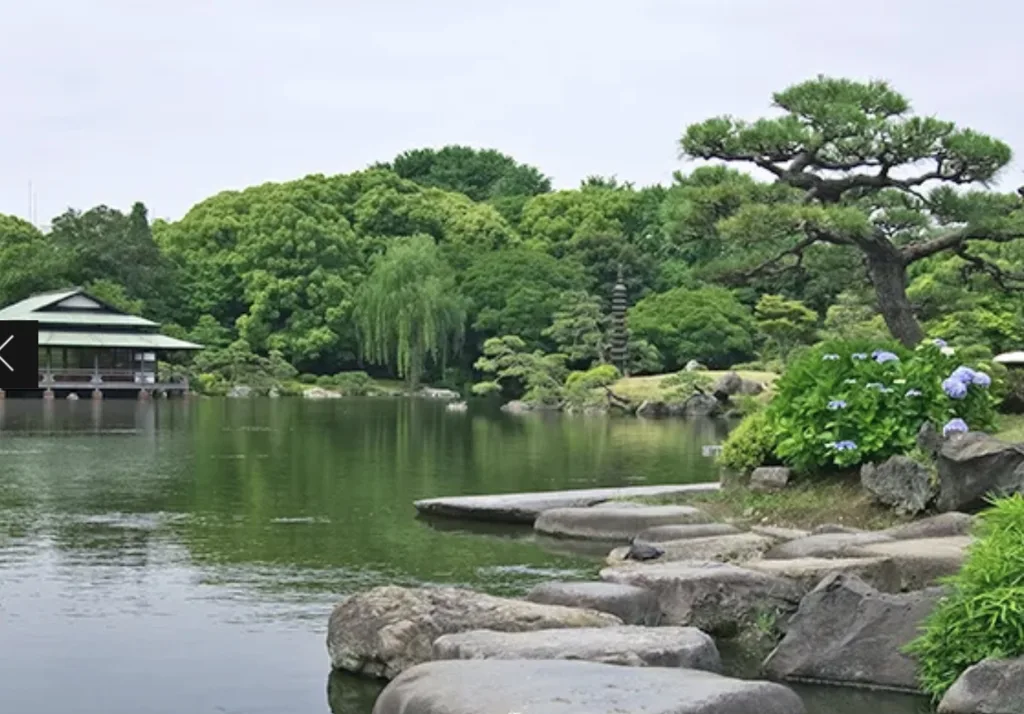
[
  {"x": 845, "y": 403},
  {"x": 354, "y": 384},
  {"x": 581, "y": 387},
  {"x": 683, "y": 385},
  {"x": 751, "y": 444},
  {"x": 506, "y": 359},
  {"x": 983, "y": 616}
]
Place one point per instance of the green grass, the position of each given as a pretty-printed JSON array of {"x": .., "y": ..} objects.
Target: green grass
[
  {"x": 1010, "y": 427},
  {"x": 802, "y": 505},
  {"x": 648, "y": 387}
]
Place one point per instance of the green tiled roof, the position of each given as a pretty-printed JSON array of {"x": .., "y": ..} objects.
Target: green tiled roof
[
  {"x": 32, "y": 309},
  {"x": 140, "y": 341}
]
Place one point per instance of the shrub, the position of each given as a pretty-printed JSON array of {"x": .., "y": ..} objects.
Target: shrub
[
  {"x": 580, "y": 386},
  {"x": 983, "y": 616},
  {"x": 307, "y": 378},
  {"x": 750, "y": 444},
  {"x": 354, "y": 384},
  {"x": 843, "y": 404},
  {"x": 684, "y": 385}
]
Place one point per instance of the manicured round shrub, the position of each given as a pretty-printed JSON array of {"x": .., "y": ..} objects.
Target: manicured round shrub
[{"x": 751, "y": 444}]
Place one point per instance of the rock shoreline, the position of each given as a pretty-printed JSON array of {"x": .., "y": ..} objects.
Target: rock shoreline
[{"x": 832, "y": 606}]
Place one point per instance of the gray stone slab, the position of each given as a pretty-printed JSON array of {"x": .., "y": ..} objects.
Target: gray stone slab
[
  {"x": 633, "y": 605},
  {"x": 631, "y": 646},
  {"x": 568, "y": 687},
  {"x": 525, "y": 507},
  {"x": 614, "y": 523}
]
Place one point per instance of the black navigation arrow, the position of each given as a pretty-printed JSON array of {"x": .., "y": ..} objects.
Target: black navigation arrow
[{"x": 19, "y": 354}]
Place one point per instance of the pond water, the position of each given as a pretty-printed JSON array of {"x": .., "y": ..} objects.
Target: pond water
[{"x": 183, "y": 556}]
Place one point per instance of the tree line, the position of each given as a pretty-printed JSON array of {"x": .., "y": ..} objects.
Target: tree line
[{"x": 861, "y": 219}]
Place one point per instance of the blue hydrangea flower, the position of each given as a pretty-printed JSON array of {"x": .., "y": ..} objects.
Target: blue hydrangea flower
[
  {"x": 939, "y": 343},
  {"x": 913, "y": 393},
  {"x": 845, "y": 445},
  {"x": 954, "y": 426},
  {"x": 830, "y": 357},
  {"x": 837, "y": 404},
  {"x": 963, "y": 374},
  {"x": 954, "y": 388},
  {"x": 875, "y": 385},
  {"x": 882, "y": 357},
  {"x": 981, "y": 379},
  {"x": 859, "y": 356}
]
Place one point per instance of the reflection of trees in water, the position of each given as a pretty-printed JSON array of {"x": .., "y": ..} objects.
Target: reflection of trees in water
[{"x": 347, "y": 694}]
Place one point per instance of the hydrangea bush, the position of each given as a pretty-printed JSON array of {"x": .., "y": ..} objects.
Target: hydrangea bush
[{"x": 843, "y": 404}]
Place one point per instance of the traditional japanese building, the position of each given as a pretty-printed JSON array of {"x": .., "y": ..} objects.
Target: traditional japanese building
[{"x": 89, "y": 346}]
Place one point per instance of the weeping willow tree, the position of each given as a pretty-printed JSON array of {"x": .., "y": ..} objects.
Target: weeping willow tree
[{"x": 408, "y": 312}]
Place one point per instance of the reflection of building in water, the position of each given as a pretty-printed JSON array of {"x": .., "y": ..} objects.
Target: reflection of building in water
[{"x": 88, "y": 346}]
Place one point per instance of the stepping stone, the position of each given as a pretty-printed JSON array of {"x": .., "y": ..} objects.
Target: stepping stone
[
  {"x": 921, "y": 562},
  {"x": 825, "y": 545},
  {"x": 737, "y": 547},
  {"x": 777, "y": 534},
  {"x": 568, "y": 687},
  {"x": 718, "y": 598},
  {"x": 525, "y": 507},
  {"x": 940, "y": 526},
  {"x": 658, "y": 534},
  {"x": 628, "y": 645},
  {"x": 633, "y": 605},
  {"x": 622, "y": 523},
  {"x": 881, "y": 573}
]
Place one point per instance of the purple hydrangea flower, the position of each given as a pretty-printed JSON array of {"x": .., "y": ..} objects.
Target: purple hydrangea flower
[
  {"x": 845, "y": 445},
  {"x": 939, "y": 343},
  {"x": 913, "y": 393},
  {"x": 837, "y": 404},
  {"x": 882, "y": 357},
  {"x": 859, "y": 356},
  {"x": 963, "y": 374},
  {"x": 954, "y": 388},
  {"x": 954, "y": 426},
  {"x": 830, "y": 357},
  {"x": 981, "y": 379}
]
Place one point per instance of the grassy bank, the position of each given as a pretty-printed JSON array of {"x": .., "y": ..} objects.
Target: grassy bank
[
  {"x": 803, "y": 505},
  {"x": 649, "y": 386},
  {"x": 1010, "y": 427}
]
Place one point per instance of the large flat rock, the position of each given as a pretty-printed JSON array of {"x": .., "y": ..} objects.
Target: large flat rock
[
  {"x": 923, "y": 561},
  {"x": 719, "y": 598},
  {"x": 659, "y": 534},
  {"x": 848, "y": 633},
  {"x": 632, "y": 605},
  {"x": 825, "y": 545},
  {"x": 567, "y": 687},
  {"x": 614, "y": 523},
  {"x": 383, "y": 631},
  {"x": 880, "y": 573},
  {"x": 525, "y": 507},
  {"x": 628, "y": 645},
  {"x": 942, "y": 525},
  {"x": 724, "y": 548}
]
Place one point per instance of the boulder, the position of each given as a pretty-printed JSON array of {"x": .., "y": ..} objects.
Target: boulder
[
  {"x": 382, "y": 631},
  {"x": 632, "y": 605},
  {"x": 701, "y": 405},
  {"x": 719, "y": 598},
  {"x": 627, "y": 645},
  {"x": 568, "y": 687},
  {"x": 658, "y": 534},
  {"x": 274, "y": 393},
  {"x": 848, "y": 633},
  {"x": 652, "y": 409},
  {"x": 880, "y": 573},
  {"x": 446, "y": 395},
  {"x": 727, "y": 385},
  {"x": 825, "y": 545},
  {"x": 995, "y": 686},
  {"x": 320, "y": 393},
  {"x": 736, "y": 547},
  {"x": 769, "y": 478},
  {"x": 920, "y": 562},
  {"x": 694, "y": 366},
  {"x": 516, "y": 406},
  {"x": 780, "y": 535},
  {"x": 929, "y": 439},
  {"x": 611, "y": 523},
  {"x": 975, "y": 465},
  {"x": 751, "y": 388},
  {"x": 900, "y": 482},
  {"x": 952, "y": 523},
  {"x": 240, "y": 391}
]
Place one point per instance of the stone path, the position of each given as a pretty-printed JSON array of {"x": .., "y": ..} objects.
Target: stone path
[{"x": 525, "y": 507}]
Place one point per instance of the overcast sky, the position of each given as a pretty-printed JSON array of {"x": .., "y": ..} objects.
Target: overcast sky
[{"x": 112, "y": 101}]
